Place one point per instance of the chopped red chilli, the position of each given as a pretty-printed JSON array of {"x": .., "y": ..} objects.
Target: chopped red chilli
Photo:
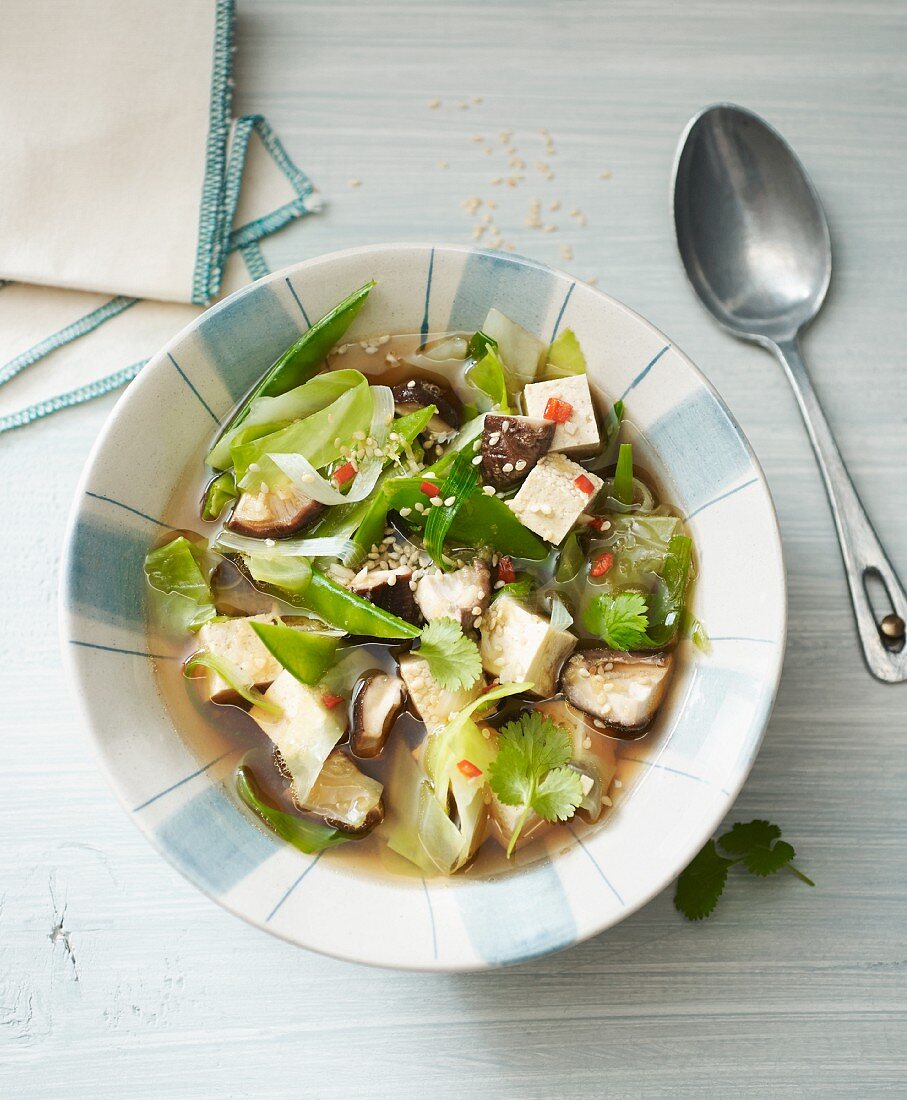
[
  {"x": 469, "y": 769},
  {"x": 346, "y": 473},
  {"x": 558, "y": 411},
  {"x": 601, "y": 565},
  {"x": 331, "y": 701},
  {"x": 584, "y": 485},
  {"x": 430, "y": 489},
  {"x": 506, "y": 572}
]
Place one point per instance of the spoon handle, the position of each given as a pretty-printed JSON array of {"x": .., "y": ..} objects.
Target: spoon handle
[{"x": 860, "y": 547}]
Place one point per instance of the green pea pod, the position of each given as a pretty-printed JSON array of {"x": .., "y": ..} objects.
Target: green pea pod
[
  {"x": 349, "y": 612},
  {"x": 300, "y": 361},
  {"x": 308, "y": 836},
  {"x": 304, "y": 654},
  {"x": 218, "y": 495},
  {"x": 623, "y": 475},
  {"x": 482, "y": 521}
]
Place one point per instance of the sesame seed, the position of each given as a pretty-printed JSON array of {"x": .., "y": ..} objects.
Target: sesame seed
[
  {"x": 355, "y": 183},
  {"x": 412, "y": 586},
  {"x": 391, "y": 580},
  {"x": 477, "y": 622},
  {"x": 507, "y": 467},
  {"x": 411, "y": 384},
  {"x": 434, "y": 104},
  {"x": 488, "y": 490},
  {"x": 477, "y": 446},
  {"x": 436, "y": 501},
  {"x": 477, "y": 461},
  {"x": 520, "y": 464},
  {"x": 405, "y": 511},
  {"x": 505, "y": 425},
  {"x": 449, "y": 502},
  {"x": 499, "y": 584},
  {"x": 494, "y": 438}
]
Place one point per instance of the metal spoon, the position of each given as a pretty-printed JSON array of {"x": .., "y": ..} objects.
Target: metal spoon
[{"x": 754, "y": 241}]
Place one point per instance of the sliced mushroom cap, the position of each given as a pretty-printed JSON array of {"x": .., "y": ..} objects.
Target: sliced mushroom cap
[
  {"x": 273, "y": 514},
  {"x": 456, "y": 595},
  {"x": 377, "y": 700},
  {"x": 390, "y": 590},
  {"x": 345, "y": 798},
  {"x": 419, "y": 393},
  {"x": 622, "y": 691},
  {"x": 511, "y": 446}
]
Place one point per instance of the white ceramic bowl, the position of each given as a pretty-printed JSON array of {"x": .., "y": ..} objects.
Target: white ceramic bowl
[{"x": 710, "y": 728}]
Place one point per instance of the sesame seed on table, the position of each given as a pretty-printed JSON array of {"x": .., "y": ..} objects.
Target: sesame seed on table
[{"x": 119, "y": 978}]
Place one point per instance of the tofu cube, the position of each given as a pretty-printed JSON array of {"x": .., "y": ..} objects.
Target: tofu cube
[
  {"x": 305, "y": 733},
  {"x": 578, "y": 435},
  {"x": 235, "y": 641},
  {"x": 549, "y": 501},
  {"x": 518, "y": 645},
  {"x": 435, "y": 705}
]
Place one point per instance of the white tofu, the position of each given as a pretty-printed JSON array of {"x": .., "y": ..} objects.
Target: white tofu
[
  {"x": 522, "y": 352},
  {"x": 578, "y": 435},
  {"x": 518, "y": 645},
  {"x": 235, "y": 641},
  {"x": 435, "y": 704},
  {"x": 455, "y": 595},
  {"x": 307, "y": 731},
  {"x": 504, "y": 819},
  {"x": 549, "y": 501}
]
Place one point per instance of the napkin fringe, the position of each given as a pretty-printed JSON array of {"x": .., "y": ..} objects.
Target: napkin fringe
[
  {"x": 213, "y": 227},
  {"x": 244, "y": 239}
]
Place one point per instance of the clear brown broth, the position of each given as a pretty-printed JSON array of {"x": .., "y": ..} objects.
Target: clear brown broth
[{"x": 211, "y": 730}]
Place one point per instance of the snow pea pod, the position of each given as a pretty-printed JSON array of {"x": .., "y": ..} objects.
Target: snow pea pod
[
  {"x": 347, "y": 611},
  {"x": 482, "y": 521},
  {"x": 308, "y": 836},
  {"x": 302, "y": 359}
]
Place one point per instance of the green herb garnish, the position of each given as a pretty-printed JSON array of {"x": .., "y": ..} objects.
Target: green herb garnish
[
  {"x": 619, "y": 620},
  {"x": 755, "y": 844},
  {"x": 453, "y": 659},
  {"x": 530, "y": 771}
]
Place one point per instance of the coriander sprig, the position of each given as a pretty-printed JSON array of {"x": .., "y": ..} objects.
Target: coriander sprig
[
  {"x": 453, "y": 659},
  {"x": 755, "y": 844},
  {"x": 530, "y": 771}
]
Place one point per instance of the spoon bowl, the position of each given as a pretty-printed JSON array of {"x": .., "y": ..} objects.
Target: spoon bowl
[
  {"x": 750, "y": 227},
  {"x": 755, "y": 245}
]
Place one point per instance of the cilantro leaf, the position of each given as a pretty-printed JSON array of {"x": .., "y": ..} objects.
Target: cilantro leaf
[
  {"x": 702, "y": 883},
  {"x": 453, "y": 659},
  {"x": 620, "y": 620},
  {"x": 530, "y": 771},
  {"x": 558, "y": 795},
  {"x": 762, "y": 852},
  {"x": 755, "y": 844}
]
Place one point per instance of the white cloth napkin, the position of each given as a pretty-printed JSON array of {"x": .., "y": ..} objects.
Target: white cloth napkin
[{"x": 122, "y": 177}]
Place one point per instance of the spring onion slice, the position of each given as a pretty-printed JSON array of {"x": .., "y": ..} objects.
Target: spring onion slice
[
  {"x": 561, "y": 619},
  {"x": 285, "y": 548},
  {"x": 307, "y": 479},
  {"x": 458, "y": 487},
  {"x": 622, "y": 489},
  {"x": 229, "y": 672}
]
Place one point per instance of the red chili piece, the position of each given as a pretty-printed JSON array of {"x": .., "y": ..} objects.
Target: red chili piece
[
  {"x": 331, "y": 701},
  {"x": 345, "y": 473},
  {"x": 584, "y": 485},
  {"x": 506, "y": 572},
  {"x": 601, "y": 565},
  {"x": 430, "y": 489},
  {"x": 469, "y": 769},
  {"x": 558, "y": 411}
]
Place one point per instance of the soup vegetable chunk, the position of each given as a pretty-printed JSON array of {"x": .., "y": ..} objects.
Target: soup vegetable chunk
[{"x": 434, "y": 584}]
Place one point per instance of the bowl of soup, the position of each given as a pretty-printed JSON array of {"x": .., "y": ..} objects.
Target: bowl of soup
[{"x": 426, "y": 606}]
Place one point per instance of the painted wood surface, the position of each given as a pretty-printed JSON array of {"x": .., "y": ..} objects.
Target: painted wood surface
[{"x": 119, "y": 979}]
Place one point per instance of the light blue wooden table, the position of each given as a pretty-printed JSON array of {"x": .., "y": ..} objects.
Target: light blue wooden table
[{"x": 119, "y": 979}]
